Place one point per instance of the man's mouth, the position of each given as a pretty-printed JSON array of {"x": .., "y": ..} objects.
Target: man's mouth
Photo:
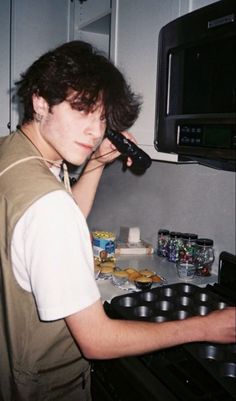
[{"x": 87, "y": 147}]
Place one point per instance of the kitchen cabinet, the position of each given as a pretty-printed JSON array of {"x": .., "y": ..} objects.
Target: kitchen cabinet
[
  {"x": 138, "y": 25},
  {"x": 93, "y": 23},
  {"x": 28, "y": 29},
  {"x": 92, "y": 11}
]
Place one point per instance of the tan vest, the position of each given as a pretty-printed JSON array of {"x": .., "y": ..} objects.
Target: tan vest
[{"x": 38, "y": 360}]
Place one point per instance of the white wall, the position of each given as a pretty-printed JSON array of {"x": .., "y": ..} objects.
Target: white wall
[{"x": 186, "y": 198}]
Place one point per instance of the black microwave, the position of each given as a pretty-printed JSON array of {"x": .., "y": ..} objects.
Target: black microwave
[{"x": 196, "y": 86}]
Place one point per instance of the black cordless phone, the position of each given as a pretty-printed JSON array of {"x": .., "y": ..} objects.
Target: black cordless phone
[{"x": 129, "y": 148}]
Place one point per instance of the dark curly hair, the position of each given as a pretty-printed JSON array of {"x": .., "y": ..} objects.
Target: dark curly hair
[{"x": 76, "y": 72}]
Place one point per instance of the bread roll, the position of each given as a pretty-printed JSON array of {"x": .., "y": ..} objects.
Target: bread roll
[{"x": 146, "y": 273}]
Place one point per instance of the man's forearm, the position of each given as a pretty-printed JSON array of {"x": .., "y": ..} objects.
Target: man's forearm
[{"x": 102, "y": 338}]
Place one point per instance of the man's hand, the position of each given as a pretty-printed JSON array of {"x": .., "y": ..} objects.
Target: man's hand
[
  {"x": 220, "y": 326},
  {"x": 107, "y": 152}
]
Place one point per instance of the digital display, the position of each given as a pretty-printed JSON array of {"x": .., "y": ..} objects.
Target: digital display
[
  {"x": 212, "y": 136},
  {"x": 217, "y": 137}
]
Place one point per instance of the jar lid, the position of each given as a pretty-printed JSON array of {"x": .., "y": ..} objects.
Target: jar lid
[
  {"x": 189, "y": 236},
  {"x": 163, "y": 231},
  {"x": 175, "y": 234},
  {"x": 193, "y": 237},
  {"x": 178, "y": 234},
  {"x": 205, "y": 241}
]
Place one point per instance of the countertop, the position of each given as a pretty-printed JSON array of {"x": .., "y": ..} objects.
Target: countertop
[{"x": 151, "y": 262}]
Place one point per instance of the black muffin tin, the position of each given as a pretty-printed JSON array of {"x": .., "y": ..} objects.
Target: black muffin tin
[
  {"x": 177, "y": 302},
  {"x": 171, "y": 302}
]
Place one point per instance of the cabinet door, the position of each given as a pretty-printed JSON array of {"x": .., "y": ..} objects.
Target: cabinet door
[
  {"x": 91, "y": 10},
  {"x": 93, "y": 23},
  {"x": 4, "y": 66},
  {"x": 139, "y": 23},
  {"x": 37, "y": 26}
]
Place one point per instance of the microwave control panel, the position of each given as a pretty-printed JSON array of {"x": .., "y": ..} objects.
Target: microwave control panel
[{"x": 200, "y": 135}]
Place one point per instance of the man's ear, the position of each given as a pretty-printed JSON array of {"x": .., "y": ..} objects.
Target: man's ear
[{"x": 40, "y": 105}]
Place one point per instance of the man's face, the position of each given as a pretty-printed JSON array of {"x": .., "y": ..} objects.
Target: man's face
[{"x": 70, "y": 134}]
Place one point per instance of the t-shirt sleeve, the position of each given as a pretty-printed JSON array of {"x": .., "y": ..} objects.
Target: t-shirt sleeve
[{"x": 56, "y": 259}]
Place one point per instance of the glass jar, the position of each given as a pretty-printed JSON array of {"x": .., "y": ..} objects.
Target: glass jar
[
  {"x": 187, "y": 250},
  {"x": 162, "y": 242},
  {"x": 204, "y": 256},
  {"x": 185, "y": 270},
  {"x": 174, "y": 245}
]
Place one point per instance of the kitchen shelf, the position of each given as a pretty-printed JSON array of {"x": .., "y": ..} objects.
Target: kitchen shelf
[
  {"x": 100, "y": 24},
  {"x": 92, "y": 24}
]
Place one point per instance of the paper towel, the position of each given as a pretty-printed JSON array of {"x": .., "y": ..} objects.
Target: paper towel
[{"x": 134, "y": 235}]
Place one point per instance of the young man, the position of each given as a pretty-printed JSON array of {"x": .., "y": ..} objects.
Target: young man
[{"x": 51, "y": 317}]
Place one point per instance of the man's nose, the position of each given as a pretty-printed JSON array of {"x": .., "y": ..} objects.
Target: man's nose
[{"x": 97, "y": 129}]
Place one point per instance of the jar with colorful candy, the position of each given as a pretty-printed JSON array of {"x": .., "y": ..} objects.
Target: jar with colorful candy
[
  {"x": 204, "y": 256},
  {"x": 174, "y": 245},
  {"x": 162, "y": 242},
  {"x": 187, "y": 251}
]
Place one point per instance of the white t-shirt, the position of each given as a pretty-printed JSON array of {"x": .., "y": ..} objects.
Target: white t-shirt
[{"x": 52, "y": 256}]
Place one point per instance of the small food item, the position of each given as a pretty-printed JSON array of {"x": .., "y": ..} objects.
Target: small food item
[
  {"x": 130, "y": 270},
  {"x": 146, "y": 273},
  {"x": 119, "y": 277},
  {"x": 96, "y": 262},
  {"x": 133, "y": 276},
  {"x": 143, "y": 283},
  {"x": 103, "y": 255},
  {"x": 107, "y": 269},
  {"x": 96, "y": 268},
  {"x": 120, "y": 273},
  {"x": 106, "y": 272},
  {"x": 156, "y": 279},
  {"x": 107, "y": 264}
]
